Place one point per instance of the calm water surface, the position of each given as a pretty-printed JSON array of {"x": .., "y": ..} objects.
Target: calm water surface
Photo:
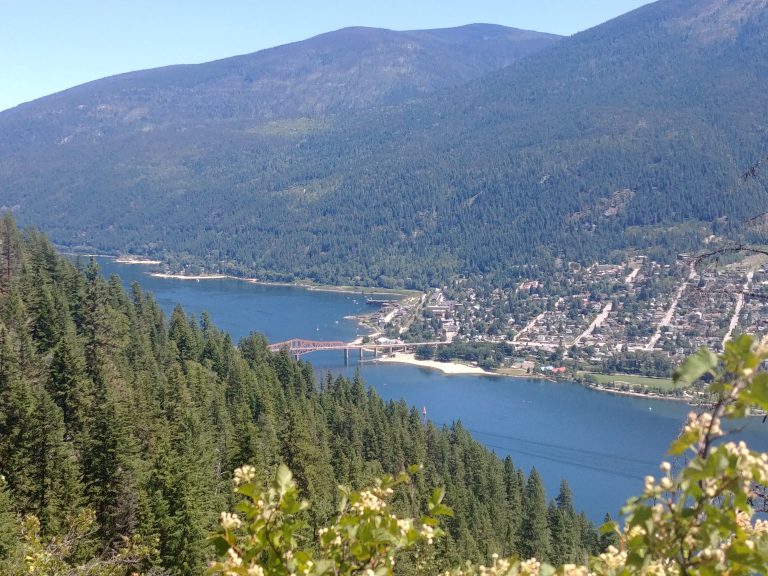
[{"x": 602, "y": 444}]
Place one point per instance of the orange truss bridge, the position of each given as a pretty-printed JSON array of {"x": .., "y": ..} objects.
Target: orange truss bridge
[{"x": 297, "y": 346}]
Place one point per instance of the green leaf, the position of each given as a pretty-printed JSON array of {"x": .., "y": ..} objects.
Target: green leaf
[
  {"x": 442, "y": 510},
  {"x": 694, "y": 367},
  {"x": 609, "y": 527},
  {"x": 437, "y": 497},
  {"x": 758, "y": 390},
  {"x": 220, "y": 544}
]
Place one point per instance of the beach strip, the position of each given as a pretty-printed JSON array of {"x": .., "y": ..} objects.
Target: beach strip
[{"x": 445, "y": 367}]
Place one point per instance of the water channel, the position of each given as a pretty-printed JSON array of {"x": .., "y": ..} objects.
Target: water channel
[{"x": 602, "y": 444}]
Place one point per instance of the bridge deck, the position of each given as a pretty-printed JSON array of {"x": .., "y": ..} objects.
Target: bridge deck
[{"x": 299, "y": 346}]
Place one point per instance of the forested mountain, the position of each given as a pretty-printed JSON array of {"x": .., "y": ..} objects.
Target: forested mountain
[
  {"x": 337, "y": 72},
  {"x": 105, "y": 405},
  {"x": 631, "y": 135}
]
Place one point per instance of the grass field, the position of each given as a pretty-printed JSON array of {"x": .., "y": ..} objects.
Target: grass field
[{"x": 665, "y": 384}]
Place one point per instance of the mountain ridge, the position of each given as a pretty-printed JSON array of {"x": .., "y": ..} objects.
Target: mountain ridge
[
  {"x": 538, "y": 155},
  {"x": 456, "y": 54}
]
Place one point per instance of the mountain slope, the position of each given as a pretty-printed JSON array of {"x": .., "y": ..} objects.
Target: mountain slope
[
  {"x": 342, "y": 71},
  {"x": 631, "y": 135}
]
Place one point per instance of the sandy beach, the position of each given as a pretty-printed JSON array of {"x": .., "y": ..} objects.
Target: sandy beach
[
  {"x": 132, "y": 260},
  {"x": 445, "y": 367},
  {"x": 183, "y": 277}
]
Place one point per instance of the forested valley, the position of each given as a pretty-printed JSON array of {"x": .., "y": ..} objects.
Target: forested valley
[
  {"x": 105, "y": 405},
  {"x": 630, "y": 137}
]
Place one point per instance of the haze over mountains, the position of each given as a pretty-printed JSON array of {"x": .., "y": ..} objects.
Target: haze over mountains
[
  {"x": 400, "y": 158},
  {"x": 349, "y": 69}
]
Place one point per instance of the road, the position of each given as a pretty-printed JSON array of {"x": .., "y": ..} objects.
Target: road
[
  {"x": 595, "y": 323},
  {"x": 671, "y": 311},
  {"x": 739, "y": 306}
]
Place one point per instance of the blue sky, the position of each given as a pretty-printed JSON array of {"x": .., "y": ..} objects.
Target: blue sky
[{"x": 50, "y": 45}]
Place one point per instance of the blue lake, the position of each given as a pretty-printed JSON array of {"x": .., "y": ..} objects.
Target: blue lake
[{"x": 602, "y": 444}]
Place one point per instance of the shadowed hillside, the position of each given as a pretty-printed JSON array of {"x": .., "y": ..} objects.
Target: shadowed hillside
[{"x": 631, "y": 135}]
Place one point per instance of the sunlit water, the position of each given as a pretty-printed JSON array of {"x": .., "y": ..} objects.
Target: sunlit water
[{"x": 602, "y": 444}]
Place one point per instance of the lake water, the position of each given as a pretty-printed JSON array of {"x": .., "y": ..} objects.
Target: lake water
[{"x": 602, "y": 444}]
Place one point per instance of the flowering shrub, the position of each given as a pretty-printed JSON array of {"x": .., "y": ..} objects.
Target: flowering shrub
[
  {"x": 262, "y": 536},
  {"x": 699, "y": 521},
  {"x": 58, "y": 556}
]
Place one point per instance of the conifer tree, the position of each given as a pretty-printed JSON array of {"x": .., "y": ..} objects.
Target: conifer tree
[
  {"x": 109, "y": 466},
  {"x": 564, "y": 528},
  {"x": 44, "y": 328},
  {"x": 534, "y": 536},
  {"x": 10, "y": 250},
  {"x": 513, "y": 485},
  {"x": 67, "y": 383},
  {"x": 9, "y": 529},
  {"x": 17, "y": 405},
  {"x": 56, "y": 489}
]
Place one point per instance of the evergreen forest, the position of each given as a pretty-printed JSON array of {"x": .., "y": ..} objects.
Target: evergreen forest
[{"x": 112, "y": 410}]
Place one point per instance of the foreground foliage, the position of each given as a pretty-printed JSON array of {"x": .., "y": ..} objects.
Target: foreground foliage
[
  {"x": 700, "y": 520},
  {"x": 365, "y": 536}
]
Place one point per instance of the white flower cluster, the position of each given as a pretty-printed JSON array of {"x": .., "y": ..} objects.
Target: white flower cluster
[
  {"x": 530, "y": 566},
  {"x": 575, "y": 570},
  {"x": 749, "y": 464},
  {"x": 368, "y": 501},
  {"x": 244, "y": 474},
  {"x": 428, "y": 532},
  {"x": 230, "y": 521},
  {"x": 703, "y": 424},
  {"x": 612, "y": 558},
  {"x": 405, "y": 524},
  {"x": 232, "y": 562},
  {"x": 665, "y": 484}
]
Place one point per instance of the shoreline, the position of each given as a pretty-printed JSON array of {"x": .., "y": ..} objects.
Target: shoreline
[
  {"x": 360, "y": 290},
  {"x": 455, "y": 368},
  {"x": 650, "y": 395}
]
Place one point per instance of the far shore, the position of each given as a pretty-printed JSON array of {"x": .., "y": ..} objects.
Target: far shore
[
  {"x": 185, "y": 277},
  {"x": 135, "y": 260},
  {"x": 360, "y": 290},
  {"x": 307, "y": 285},
  {"x": 650, "y": 395},
  {"x": 445, "y": 367}
]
